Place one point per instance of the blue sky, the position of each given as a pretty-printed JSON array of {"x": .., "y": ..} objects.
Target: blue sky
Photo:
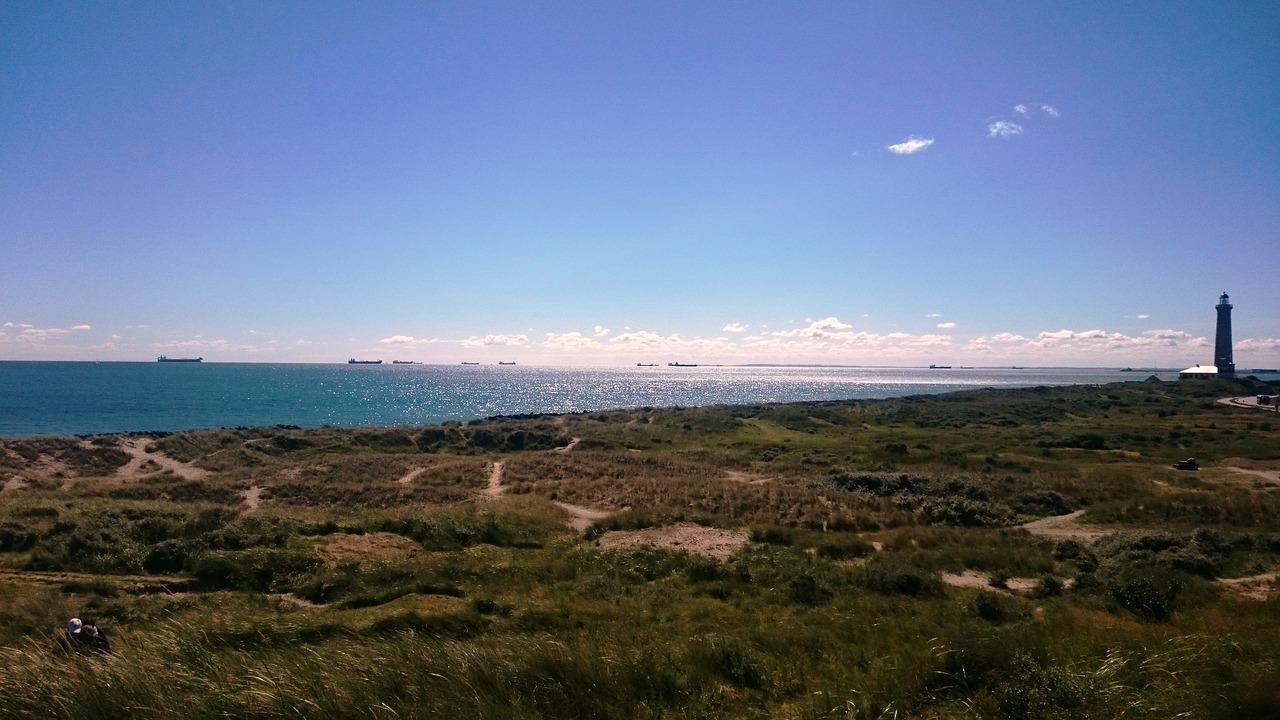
[{"x": 597, "y": 183}]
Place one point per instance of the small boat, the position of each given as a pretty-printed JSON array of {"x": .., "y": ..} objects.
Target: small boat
[
  {"x": 646, "y": 364},
  {"x": 682, "y": 365},
  {"x": 163, "y": 358},
  {"x": 354, "y": 361},
  {"x": 470, "y": 363},
  {"x": 504, "y": 362},
  {"x": 939, "y": 367}
]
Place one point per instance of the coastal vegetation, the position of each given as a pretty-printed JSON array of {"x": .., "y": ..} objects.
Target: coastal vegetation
[{"x": 1023, "y": 553}]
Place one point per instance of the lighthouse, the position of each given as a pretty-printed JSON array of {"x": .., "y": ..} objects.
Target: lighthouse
[{"x": 1222, "y": 345}]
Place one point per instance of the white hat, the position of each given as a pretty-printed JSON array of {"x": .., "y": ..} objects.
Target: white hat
[{"x": 73, "y": 626}]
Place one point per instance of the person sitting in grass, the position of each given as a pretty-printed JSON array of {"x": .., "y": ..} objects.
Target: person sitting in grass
[{"x": 86, "y": 635}]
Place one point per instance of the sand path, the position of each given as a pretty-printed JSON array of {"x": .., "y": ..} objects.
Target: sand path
[
  {"x": 411, "y": 475},
  {"x": 1249, "y": 401},
  {"x": 252, "y": 497},
  {"x": 137, "y": 449},
  {"x": 742, "y": 477},
  {"x": 1256, "y": 587},
  {"x": 494, "y": 488},
  {"x": 129, "y": 583},
  {"x": 1064, "y": 527},
  {"x": 572, "y": 444},
  {"x": 1269, "y": 475},
  {"x": 581, "y": 517}
]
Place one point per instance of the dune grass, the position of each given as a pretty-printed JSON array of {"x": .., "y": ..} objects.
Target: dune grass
[{"x": 348, "y": 590}]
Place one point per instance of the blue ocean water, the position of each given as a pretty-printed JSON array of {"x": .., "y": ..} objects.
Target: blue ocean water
[{"x": 84, "y": 397}]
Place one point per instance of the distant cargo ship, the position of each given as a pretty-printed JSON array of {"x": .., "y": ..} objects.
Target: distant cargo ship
[
  {"x": 939, "y": 367},
  {"x": 646, "y": 364},
  {"x": 682, "y": 365},
  {"x": 403, "y": 362},
  {"x": 470, "y": 363},
  {"x": 503, "y": 362},
  {"x": 164, "y": 358},
  {"x": 354, "y": 361}
]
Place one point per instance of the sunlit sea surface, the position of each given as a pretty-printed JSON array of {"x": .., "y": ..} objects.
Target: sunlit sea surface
[{"x": 84, "y": 397}]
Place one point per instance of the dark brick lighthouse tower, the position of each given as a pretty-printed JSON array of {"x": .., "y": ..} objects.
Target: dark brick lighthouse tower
[{"x": 1222, "y": 346}]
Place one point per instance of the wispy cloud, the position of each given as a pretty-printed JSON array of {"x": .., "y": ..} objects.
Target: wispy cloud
[
  {"x": 1003, "y": 129},
  {"x": 934, "y": 315},
  {"x": 734, "y": 327},
  {"x": 946, "y": 325},
  {"x": 1089, "y": 343},
  {"x": 32, "y": 335},
  {"x": 910, "y": 146},
  {"x": 1143, "y": 316}
]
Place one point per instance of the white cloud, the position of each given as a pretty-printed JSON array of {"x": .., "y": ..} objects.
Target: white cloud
[
  {"x": 569, "y": 341},
  {"x": 946, "y": 325},
  {"x": 496, "y": 341},
  {"x": 934, "y": 315},
  {"x": 1003, "y": 129},
  {"x": 601, "y": 331},
  {"x": 81, "y": 327},
  {"x": 910, "y": 146},
  {"x": 1051, "y": 110},
  {"x": 1143, "y": 316},
  {"x": 1020, "y": 109},
  {"x": 409, "y": 341},
  {"x": 734, "y": 327},
  {"x": 1259, "y": 345}
]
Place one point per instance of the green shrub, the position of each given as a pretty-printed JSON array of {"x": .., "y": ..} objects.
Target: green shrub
[
  {"x": 996, "y": 607},
  {"x": 894, "y": 578},
  {"x": 1149, "y": 593}
]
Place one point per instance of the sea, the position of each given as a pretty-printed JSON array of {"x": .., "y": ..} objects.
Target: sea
[{"x": 66, "y": 398}]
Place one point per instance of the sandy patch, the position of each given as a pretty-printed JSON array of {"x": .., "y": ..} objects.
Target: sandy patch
[
  {"x": 581, "y": 518},
  {"x": 494, "y": 488},
  {"x": 16, "y": 482},
  {"x": 968, "y": 578},
  {"x": 52, "y": 467},
  {"x": 1256, "y": 587},
  {"x": 1064, "y": 527},
  {"x": 685, "y": 536},
  {"x": 252, "y": 497},
  {"x": 1013, "y": 586},
  {"x": 370, "y": 547},
  {"x": 142, "y": 463}
]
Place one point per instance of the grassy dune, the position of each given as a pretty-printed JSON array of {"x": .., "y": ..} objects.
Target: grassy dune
[{"x": 883, "y": 572}]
